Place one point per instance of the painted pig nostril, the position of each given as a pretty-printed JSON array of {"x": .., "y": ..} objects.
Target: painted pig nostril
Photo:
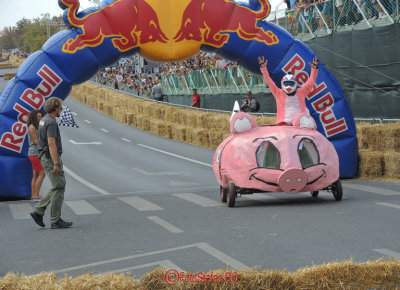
[
  {"x": 299, "y": 180},
  {"x": 288, "y": 180}
]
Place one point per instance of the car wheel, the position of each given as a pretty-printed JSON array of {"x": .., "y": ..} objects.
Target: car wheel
[
  {"x": 337, "y": 190},
  {"x": 223, "y": 192},
  {"x": 231, "y": 195},
  {"x": 314, "y": 194}
]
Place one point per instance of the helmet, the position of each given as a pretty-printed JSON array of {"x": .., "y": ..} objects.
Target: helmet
[{"x": 289, "y": 84}]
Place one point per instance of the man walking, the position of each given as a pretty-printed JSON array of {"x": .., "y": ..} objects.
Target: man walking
[{"x": 50, "y": 150}]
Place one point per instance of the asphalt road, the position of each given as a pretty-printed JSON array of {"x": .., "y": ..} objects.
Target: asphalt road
[{"x": 139, "y": 201}]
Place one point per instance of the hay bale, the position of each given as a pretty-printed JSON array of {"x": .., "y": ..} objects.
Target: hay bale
[
  {"x": 8, "y": 76},
  {"x": 349, "y": 275},
  {"x": 221, "y": 122},
  {"x": 391, "y": 136},
  {"x": 179, "y": 133},
  {"x": 199, "y": 136},
  {"x": 371, "y": 163},
  {"x": 171, "y": 115},
  {"x": 392, "y": 164},
  {"x": 362, "y": 135}
]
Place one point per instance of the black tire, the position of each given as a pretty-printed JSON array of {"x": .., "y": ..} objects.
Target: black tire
[
  {"x": 231, "y": 195},
  {"x": 223, "y": 192},
  {"x": 337, "y": 190},
  {"x": 314, "y": 194}
]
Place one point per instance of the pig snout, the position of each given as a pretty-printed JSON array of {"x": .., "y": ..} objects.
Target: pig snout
[{"x": 292, "y": 180}]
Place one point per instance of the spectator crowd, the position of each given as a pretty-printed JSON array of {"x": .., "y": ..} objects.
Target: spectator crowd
[{"x": 124, "y": 75}]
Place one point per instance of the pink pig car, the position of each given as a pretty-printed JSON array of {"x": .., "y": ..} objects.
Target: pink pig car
[{"x": 273, "y": 158}]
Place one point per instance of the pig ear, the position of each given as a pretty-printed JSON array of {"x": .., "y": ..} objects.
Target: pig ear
[
  {"x": 304, "y": 121},
  {"x": 242, "y": 122}
]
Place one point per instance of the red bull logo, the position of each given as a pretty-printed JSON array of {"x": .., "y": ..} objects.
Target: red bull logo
[
  {"x": 166, "y": 34},
  {"x": 202, "y": 22},
  {"x": 129, "y": 23}
]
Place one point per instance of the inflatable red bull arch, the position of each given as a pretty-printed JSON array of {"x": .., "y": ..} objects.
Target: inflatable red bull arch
[{"x": 161, "y": 31}]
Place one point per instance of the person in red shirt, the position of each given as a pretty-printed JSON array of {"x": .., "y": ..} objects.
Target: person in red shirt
[{"x": 196, "y": 99}]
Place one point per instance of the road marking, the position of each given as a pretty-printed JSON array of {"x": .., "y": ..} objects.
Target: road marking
[
  {"x": 82, "y": 207},
  {"x": 152, "y": 173},
  {"x": 126, "y": 140},
  {"x": 175, "y": 155},
  {"x": 167, "y": 264},
  {"x": 388, "y": 204},
  {"x": 83, "y": 181},
  {"x": 229, "y": 261},
  {"x": 371, "y": 189},
  {"x": 104, "y": 130},
  {"x": 73, "y": 113},
  {"x": 140, "y": 203},
  {"x": 202, "y": 245},
  {"x": 388, "y": 253},
  {"x": 87, "y": 121},
  {"x": 166, "y": 225},
  {"x": 20, "y": 211},
  {"x": 85, "y": 143},
  {"x": 197, "y": 199}
]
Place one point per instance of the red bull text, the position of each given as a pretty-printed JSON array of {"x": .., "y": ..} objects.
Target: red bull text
[
  {"x": 34, "y": 99},
  {"x": 323, "y": 106}
]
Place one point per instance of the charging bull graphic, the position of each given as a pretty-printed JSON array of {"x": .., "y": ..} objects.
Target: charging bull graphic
[
  {"x": 126, "y": 29},
  {"x": 274, "y": 159},
  {"x": 163, "y": 31},
  {"x": 202, "y": 21}
]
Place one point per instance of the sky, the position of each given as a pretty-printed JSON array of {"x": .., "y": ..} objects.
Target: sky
[{"x": 11, "y": 11}]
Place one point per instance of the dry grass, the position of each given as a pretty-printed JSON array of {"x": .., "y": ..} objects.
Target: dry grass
[{"x": 382, "y": 274}]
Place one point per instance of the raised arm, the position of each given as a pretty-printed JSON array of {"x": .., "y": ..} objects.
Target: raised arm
[
  {"x": 306, "y": 89},
  {"x": 263, "y": 67}
]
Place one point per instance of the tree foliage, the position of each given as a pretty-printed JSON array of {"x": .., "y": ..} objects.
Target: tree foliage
[{"x": 30, "y": 35}]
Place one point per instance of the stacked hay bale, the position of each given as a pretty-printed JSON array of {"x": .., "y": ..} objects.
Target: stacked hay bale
[
  {"x": 379, "y": 149},
  {"x": 185, "y": 125}
]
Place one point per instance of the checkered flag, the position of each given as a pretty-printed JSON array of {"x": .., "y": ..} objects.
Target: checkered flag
[{"x": 67, "y": 119}]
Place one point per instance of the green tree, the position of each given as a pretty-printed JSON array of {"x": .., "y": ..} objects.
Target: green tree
[{"x": 8, "y": 38}]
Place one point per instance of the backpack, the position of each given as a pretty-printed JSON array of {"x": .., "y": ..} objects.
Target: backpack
[{"x": 257, "y": 106}]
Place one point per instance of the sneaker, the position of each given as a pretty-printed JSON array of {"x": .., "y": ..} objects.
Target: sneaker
[
  {"x": 38, "y": 219},
  {"x": 61, "y": 224}
]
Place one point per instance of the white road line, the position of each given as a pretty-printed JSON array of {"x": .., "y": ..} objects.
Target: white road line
[
  {"x": 371, "y": 189},
  {"x": 83, "y": 181},
  {"x": 124, "y": 258},
  {"x": 104, "y": 130},
  {"x": 73, "y": 113},
  {"x": 202, "y": 246},
  {"x": 229, "y": 261},
  {"x": 167, "y": 264},
  {"x": 166, "y": 225},
  {"x": 126, "y": 140},
  {"x": 155, "y": 173},
  {"x": 87, "y": 121},
  {"x": 197, "y": 199},
  {"x": 175, "y": 155},
  {"x": 140, "y": 203},
  {"x": 388, "y": 253},
  {"x": 82, "y": 207},
  {"x": 388, "y": 204},
  {"x": 85, "y": 143},
  {"x": 20, "y": 211}
]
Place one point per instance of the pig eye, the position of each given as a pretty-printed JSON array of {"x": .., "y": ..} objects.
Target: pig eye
[
  {"x": 268, "y": 156},
  {"x": 308, "y": 153}
]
